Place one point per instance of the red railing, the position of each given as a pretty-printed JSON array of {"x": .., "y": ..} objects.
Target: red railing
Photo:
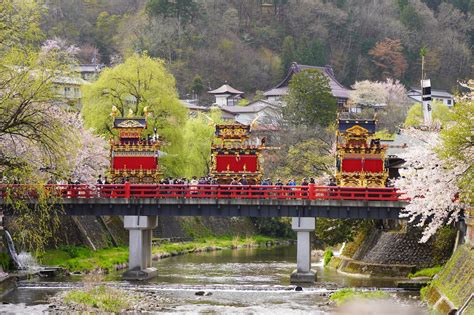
[{"x": 127, "y": 190}]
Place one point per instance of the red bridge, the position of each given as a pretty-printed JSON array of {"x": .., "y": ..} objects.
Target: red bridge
[{"x": 218, "y": 200}]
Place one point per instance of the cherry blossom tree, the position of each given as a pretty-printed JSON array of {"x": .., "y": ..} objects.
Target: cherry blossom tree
[{"x": 430, "y": 182}]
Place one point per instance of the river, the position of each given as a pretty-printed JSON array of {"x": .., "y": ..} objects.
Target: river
[{"x": 248, "y": 280}]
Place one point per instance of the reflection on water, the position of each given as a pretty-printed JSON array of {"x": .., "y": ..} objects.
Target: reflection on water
[{"x": 249, "y": 280}]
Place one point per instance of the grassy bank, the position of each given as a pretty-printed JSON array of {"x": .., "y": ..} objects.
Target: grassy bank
[
  {"x": 84, "y": 259},
  {"x": 346, "y": 295}
]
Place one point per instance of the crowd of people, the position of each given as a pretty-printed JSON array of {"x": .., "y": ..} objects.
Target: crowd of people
[{"x": 242, "y": 181}]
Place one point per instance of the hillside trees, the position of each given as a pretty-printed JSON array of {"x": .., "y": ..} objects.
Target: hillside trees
[
  {"x": 340, "y": 33},
  {"x": 388, "y": 58},
  {"x": 139, "y": 82}
]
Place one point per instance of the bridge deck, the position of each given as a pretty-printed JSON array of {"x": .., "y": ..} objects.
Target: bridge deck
[{"x": 219, "y": 200}]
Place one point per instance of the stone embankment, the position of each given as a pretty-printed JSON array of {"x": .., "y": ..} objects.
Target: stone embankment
[
  {"x": 453, "y": 285},
  {"x": 393, "y": 254}
]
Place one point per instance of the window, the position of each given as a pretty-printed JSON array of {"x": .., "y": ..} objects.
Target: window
[{"x": 449, "y": 102}]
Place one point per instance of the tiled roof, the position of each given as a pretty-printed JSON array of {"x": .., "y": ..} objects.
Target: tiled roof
[
  {"x": 253, "y": 107},
  {"x": 337, "y": 89},
  {"x": 434, "y": 92},
  {"x": 225, "y": 89}
]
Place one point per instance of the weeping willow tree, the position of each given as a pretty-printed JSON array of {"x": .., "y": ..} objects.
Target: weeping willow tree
[
  {"x": 141, "y": 81},
  {"x": 198, "y": 135},
  {"x": 33, "y": 136}
]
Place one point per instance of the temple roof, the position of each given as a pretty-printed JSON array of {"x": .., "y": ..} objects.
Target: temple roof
[
  {"x": 345, "y": 124},
  {"x": 225, "y": 89},
  {"x": 130, "y": 123},
  {"x": 338, "y": 90},
  {"x": 253, "y": 107}
]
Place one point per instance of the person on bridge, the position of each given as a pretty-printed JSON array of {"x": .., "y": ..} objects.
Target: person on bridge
[
  {"x": 304, "y": 182},
  {"x": 106, "y": 181},
  {"x": 244, "y": 181},
  {"x": 99, "y": 180}
]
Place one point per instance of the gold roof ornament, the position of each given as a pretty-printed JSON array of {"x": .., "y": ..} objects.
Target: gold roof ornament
[
  {"x": 145, "y": 111},
  {"x": 114, "y": 111},
  {"x": 130, "y": 113}
]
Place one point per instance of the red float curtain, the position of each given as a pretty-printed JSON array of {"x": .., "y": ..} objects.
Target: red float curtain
[
  {"x": 135, "y": 162},
  {"x": 236, "y": 163},
  {"x": 351, "y": 165},
  {"x": 373, "y": 166}
]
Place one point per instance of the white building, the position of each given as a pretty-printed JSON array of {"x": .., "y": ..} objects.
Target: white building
[
  {"x": 437, "y": 96},
  {"x": 226, "y": 95}
]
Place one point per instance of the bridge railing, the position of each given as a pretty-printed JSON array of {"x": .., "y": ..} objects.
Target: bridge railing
[{"x": 311, "y": 192}]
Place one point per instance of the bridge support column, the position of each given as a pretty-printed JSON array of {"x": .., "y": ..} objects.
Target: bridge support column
[
  {"x": 139, "y": 253},
  {"x": 303, "y": 273}
]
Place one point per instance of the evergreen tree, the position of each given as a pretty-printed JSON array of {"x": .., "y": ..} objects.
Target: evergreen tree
[
  {"x": 287, "y": 53},
  {"x": 309, "y": 100}
]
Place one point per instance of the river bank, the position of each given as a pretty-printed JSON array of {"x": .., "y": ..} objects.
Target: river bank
[{"x": 83, "y": 260}]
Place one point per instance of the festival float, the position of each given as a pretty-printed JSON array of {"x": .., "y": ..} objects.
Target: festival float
[
  {"x": 133, "y": 156},
  {"x": 234, "y": 155},
  {"x": 359, "y": 156}
]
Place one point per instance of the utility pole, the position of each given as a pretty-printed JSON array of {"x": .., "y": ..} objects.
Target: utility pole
[{"x": 425, "y": 90}]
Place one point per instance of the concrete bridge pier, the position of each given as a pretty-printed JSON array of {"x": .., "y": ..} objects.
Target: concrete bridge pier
[
  {"x": 139, "y": 253},
  {"x": 303, "y": 273}
]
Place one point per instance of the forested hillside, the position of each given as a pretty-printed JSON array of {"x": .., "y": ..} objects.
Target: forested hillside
[{"x": 250, "y": 43}]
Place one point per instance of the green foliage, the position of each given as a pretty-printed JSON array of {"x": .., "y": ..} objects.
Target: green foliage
[
  {"x": 426, "y": 272},
  {"x": 362, "y": 232},
  {"x": 384, "y": 135},
  {"x": 307, "y": 158},
  {"x": 141, "y": 81},
  {"x": 183, "y": 10},
  {"x": 458, "y": 144},
  {"x": 6, "y": 262},
  {"x": 309, "y": 100},
  {"x": 414, "y": 117},
  {"x": 455, "y": 279},
  {"x": 103, "y": 298},
  {"x": 197, "y": 86},
  {"x": 327, "y": 256},
  {"x": 336, "y": 231},
  {"x": 345, "y": 295},
  {"x": 288, "y": 54},
  {"x": 243, "y": 102},
  {"x": 274, "y": 227},
  {"x": 34, "y": 225},
  {"x": 443, "y": 243},
  {"x": 198, "y": 134},
  {"x": 85, "y": 259}
]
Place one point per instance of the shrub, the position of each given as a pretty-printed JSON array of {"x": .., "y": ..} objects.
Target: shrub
[{"x": 327, "y": 256}]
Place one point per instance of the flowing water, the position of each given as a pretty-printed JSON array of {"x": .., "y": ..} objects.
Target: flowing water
[{"x": 254, "y": 280}]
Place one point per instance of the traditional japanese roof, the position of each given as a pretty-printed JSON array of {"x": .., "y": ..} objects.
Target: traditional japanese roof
[
  {"x": 338, "y": 90},
  {"x": 130, "y": 123},
  {"x": 253, "y": 107},
  {"x": 226, "y": 89},
  {"x": 191, "y": 106},
  {"x": 368, "y": 124}
]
